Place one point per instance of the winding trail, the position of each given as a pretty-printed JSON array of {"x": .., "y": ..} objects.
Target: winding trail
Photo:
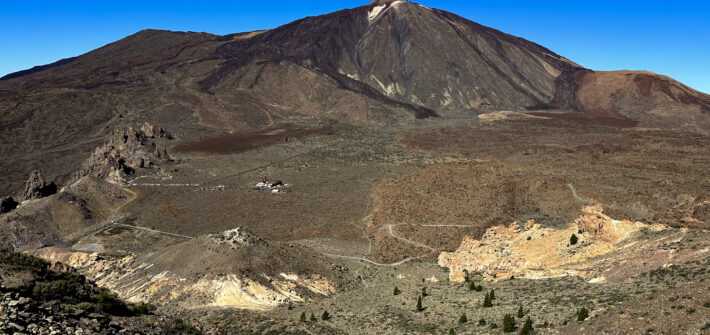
[
  {"x": 154, "y": 231},
  {"x": 577, "y": 197}
]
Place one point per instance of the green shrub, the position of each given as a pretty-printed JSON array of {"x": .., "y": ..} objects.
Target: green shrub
[
  {"x": 325, "y": 316},
  {"x": 482, "y": 322},
  {"x": 527, "y": 327},
  {"x": 313, "y": 318},
  {"x": 494, "y": 326},
  {"x": 87, "y": 306},
  {"x": 110, "y": 303},
  {"x": 396, "y": 291},
  {"x": 487, "y": 301},
  {"x": 573, "y": 239},
  {"x": 179, "y": 326},
  {"x": 302, "y": 318},
  {"x": 463, "y": 318},
  {"x": 144, "y": 308},
  {"x": 582, "y": 314},
  {"x": 508, "y": 323}
]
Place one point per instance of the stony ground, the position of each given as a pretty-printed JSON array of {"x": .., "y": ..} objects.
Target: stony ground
[{"x": 368, "y": 197}]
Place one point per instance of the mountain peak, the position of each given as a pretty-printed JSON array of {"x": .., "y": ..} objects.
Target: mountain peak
[{"x": 383, "y": 2}]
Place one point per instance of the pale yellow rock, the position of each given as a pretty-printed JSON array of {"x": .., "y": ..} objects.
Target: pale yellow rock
[{"x": 538, "y": 252}]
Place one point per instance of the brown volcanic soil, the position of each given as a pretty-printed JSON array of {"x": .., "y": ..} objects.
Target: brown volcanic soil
[
  {"x": 408, "y": 62},
  {"x": 637, "y": 175},
  {"x": 596, "y": 119},
  {"x": 241, "y": 142}
]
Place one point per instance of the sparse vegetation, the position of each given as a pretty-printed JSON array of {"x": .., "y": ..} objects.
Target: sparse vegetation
[
  {"x": 487, "y": 301},
  {"x": 508, "y": 323},
  {"x": 527, "y": 327},
  {"x": 463, "y": 318}
]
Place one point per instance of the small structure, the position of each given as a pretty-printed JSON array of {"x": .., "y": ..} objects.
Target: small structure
[{"x": 275, "y": 186}]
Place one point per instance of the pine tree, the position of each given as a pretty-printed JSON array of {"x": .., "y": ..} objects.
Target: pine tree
[
  {"x": 487, "y": 302},
  {"x": 573, "y": 239},
  {"x": 451, "y": 331},
  {"x": 508, "y": 323},
  {"x": 325, "y": 316},
  {"x": 463, "y": 318},
  {"x": 313, "y": 318},
  {"x": 419, "y": 304},
  {"x": 527, "y": 327},
  {"x": 424, "y": 294},
  {"x": 479, "y": 288},
  {"x": 482, "y": 322},
  {"x": 471, "y": 286},
  {"x": 520, "y": 312},
  {"x": 493, "y": 294},
  {"x": 466, "y": 278},
  {"x": 397, "y": 291},
  {"x": 582, "y": 314},
  {"x": 303, "y": 317},
  {"x": 290, "y": 306}
]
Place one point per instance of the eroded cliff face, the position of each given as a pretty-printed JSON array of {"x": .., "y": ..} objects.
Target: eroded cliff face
[
  {"x": 157, "y": 280},
  {"x": 533, "y": 251}
]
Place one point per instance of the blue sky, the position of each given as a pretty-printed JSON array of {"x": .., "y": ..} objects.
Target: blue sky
[{"x": 666, "y": 37}]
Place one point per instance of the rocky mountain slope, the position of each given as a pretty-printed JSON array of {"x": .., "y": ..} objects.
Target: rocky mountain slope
[{"x": 382, "y": 62}]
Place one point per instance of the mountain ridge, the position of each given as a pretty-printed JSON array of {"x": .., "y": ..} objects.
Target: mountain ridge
[{"x": 383, "y": 63}]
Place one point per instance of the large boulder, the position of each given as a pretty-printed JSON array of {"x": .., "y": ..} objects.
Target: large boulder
[{"x": 37, "y": 187}]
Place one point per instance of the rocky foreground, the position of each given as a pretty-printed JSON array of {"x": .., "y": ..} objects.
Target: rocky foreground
[{"x": 34, "y": 299}]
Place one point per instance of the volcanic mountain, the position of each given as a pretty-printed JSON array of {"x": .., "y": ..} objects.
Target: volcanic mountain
[{"x": 385, "y": 62}]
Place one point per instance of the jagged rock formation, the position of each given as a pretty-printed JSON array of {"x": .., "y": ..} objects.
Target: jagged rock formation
[
  {"x": 7, "y": 204},
  {"x": 155, "y": 131},
  {"x": 125, "y": 151},
  {"x": 36, "y": 187},
  {"x": 533, "y": 251}
]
